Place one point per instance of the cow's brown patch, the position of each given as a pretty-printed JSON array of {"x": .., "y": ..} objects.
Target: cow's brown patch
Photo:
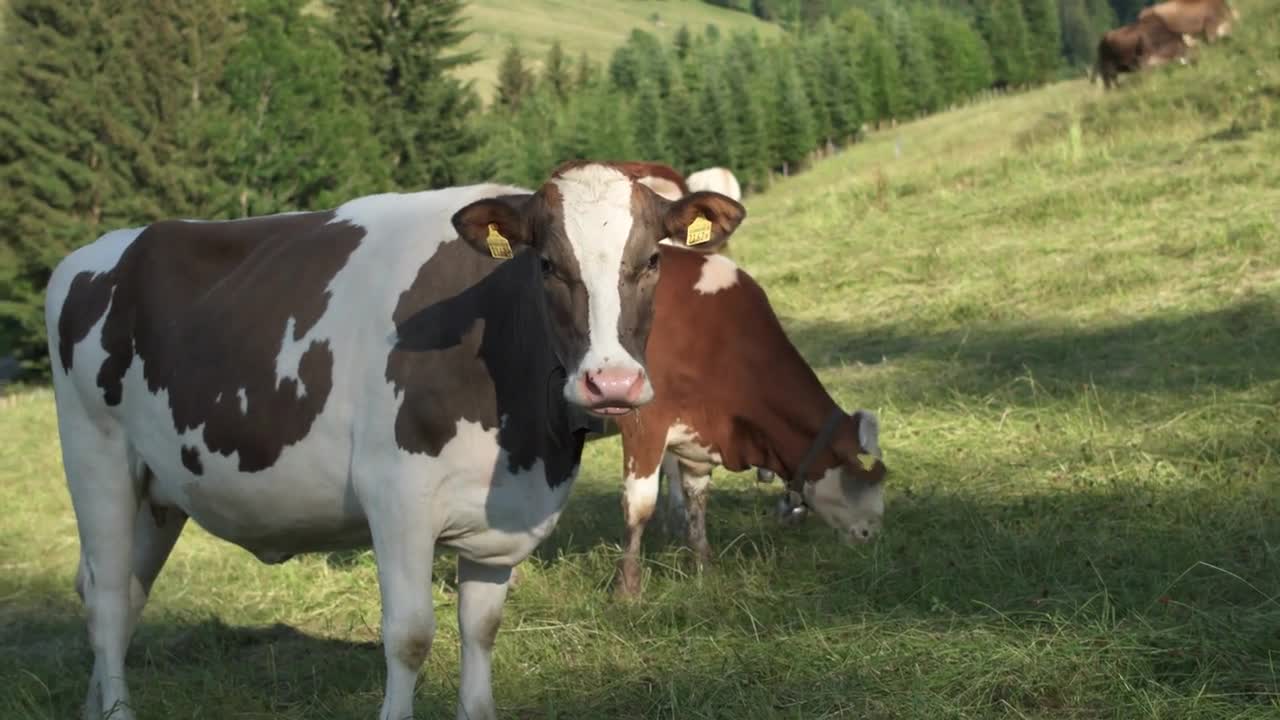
[
  {"x": 191, "y": 459},
  {"x": 632, "y": 170},
  {"x": 205, "y": 307},
  {"x": 463, "y": 307},
  {"x": 87, "y": 300}
]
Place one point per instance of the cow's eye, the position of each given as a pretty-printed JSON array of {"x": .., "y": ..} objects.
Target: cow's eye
[
  {"x": 654, "y": 259},
  {"x": 547, "y": 267}
]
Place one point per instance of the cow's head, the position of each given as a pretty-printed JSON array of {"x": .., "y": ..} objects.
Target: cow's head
[
  {"x": 849, "y": 496},
  {"x": 596, "y": 230}
]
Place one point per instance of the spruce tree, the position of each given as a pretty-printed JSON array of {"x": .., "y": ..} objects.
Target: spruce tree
[
  {"x": 848, "y": 98},
  {"x": 750, "y": 139},
  {"x": 556, "y": 72},
  {"x": 917, "y": 72},
  {"x": 649, "y": 122},
  {"x": 745, "y": 50},
  {"x": 585, "y": 72},
  {"x": 682, "y": 42},
  {"x": 793, "y": 133},
  {"x": 811, "y": 58},
  {"x": 1006, "y": 33},
  {"x": 398, "y": 58},
  {"x": 99, "y": 131},
  {"x": 714, "y": 129},
  {"x": 878, "y": 65},
  {"x": 1078, "y": 38},
  {"x": 1045, "y": 35},
  {"x": 959, "y": 54},
  {"x": 284, "y": 85},
  {"x": 682, "y": 126},
  {"x": 514, "y": 79}
]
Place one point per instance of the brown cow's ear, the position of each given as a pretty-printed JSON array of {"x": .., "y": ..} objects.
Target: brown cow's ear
[
  {"x": 864, "y": 441},
  {"x": 495, "y": 226},
  {"x": 703, "y": 221}
]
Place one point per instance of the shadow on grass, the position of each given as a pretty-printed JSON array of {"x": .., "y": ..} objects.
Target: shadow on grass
[
  {"x": 1229, "y": 348},
  {"x": 1176, "y": 589}
]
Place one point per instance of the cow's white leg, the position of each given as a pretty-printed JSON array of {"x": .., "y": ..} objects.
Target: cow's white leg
[
  {"x": 404, "y": 547},
  {"x": 696, "y": 481},
  {"x": 482, "y": 590},
  {"x": 104, "y": 494},
  {"x": 639, "y": 497},
  {"x": 153, "y": 538}
]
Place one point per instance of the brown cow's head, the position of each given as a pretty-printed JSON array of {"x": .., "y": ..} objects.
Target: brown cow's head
[
  {"x": 849, "y": 496},
  {"x": 596, "y": 229}
]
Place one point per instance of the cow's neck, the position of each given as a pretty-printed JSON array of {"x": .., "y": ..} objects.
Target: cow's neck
[
  {"x": 783, "y": 418},
  {"x": 534, "y": 419}
]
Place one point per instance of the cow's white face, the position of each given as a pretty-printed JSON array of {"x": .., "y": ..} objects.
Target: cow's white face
[
  {"x": 847, "y": 502},
  {"x": 849, "y": 497},
  {"x": 596, "y": 229}
]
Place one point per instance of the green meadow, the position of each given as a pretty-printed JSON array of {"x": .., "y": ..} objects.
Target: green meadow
[{"x": 1065, "y": 307}]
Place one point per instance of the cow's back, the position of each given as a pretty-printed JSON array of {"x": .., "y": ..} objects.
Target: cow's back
[
  {"x": 240, "y": 358},
  {"x": 205, "y": 309}
]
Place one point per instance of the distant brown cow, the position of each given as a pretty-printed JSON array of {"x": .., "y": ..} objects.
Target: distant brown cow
[
  {"x": 1208, "y": 19},
  {"x": 1144, "y": 43}
]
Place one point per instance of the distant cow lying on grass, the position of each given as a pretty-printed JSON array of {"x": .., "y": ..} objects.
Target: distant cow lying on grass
[
  {"x": 1206, "y": 19},
  {"x": 1144, "y": 43},
  {"x": 730, "y": 389}
]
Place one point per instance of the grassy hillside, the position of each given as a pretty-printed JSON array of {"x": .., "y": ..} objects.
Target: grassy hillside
[
  {"x": 1065, "y": 308},
  {"x": 596, "y": 27}
]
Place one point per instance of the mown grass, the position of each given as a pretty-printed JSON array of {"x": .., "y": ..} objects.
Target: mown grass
[
  {"x": 595, "y": 28},
  {"x": 1065, "y": 308}
]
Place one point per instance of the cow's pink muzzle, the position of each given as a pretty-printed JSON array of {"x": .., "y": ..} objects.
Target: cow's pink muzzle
[{"x": 612, "y": 391}]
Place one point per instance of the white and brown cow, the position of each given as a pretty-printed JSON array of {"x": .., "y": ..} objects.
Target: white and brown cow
[
  {"x": 367, "y": 375},
  {"x": 730, "y": 389}
]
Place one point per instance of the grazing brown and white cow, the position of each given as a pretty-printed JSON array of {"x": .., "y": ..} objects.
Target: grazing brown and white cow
[
  {"x": 662, "y": 179},
  {"x": 1207, "y": 19},
  {"x": 730, "y": 389},
  {"x": 376, "y": 374},
  {"x": 1145, "y": 43},
  {"x": 716, "y": 179}
]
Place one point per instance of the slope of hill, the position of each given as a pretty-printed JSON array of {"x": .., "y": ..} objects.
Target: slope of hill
[
  {"x": 1065, "y": 308},
  {"x": 595, "y": 27}
]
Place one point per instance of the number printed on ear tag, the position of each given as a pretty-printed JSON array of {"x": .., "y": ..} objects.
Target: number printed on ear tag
[
  {"x": 498, "y": 245},
  {"x": 699, "y": 231}
]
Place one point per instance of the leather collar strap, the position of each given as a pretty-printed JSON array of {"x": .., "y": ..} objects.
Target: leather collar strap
[{"x": 795, "y": 484}]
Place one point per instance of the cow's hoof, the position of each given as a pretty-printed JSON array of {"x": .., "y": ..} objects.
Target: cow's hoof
[
  {"x": 703, "y": 560},
  {"x": 627, "y": 586}
]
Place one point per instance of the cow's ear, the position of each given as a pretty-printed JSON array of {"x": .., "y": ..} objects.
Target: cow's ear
[
  {"x": 703, "y": 221},
  {"x": 495, "y": 226}
]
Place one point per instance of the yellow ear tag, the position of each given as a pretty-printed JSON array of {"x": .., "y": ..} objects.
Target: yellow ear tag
[
  {"x": 699, "y": 231},
  {"x": 498, "y": 245}
]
